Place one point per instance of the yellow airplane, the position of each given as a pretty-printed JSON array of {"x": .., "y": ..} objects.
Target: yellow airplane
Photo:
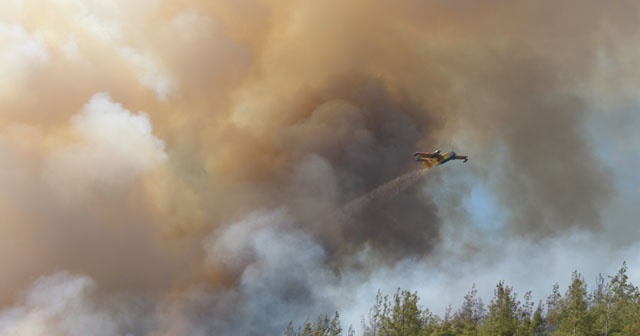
[{"x": 435, "y": 159}]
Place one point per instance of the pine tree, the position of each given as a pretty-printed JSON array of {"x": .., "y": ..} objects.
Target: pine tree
[
  {"x": 538, "y": 322},
  {"x": 373, "y": 325},
  {"x": 625, "y": 310},
  {"x": 467, "y": 320},
  {"x": 322, "y": 327},
  {"x": 433, "y": 324},
  {"x": 611, "y": 309},
  {"x": 446, "y": 326},
  {"x": 601, "y": 307},
  {"x": 289, "y": 331},
  {"x": 333, "y": 328},
  {"x": 524, "y": 315},
  {"x": 502, "y": 317},
  {"x": 402, "y": 317},
  {"x": 554, "y": 310},
  {"x": 575, "y": 319},
  {"x": 406, "y": 317}
]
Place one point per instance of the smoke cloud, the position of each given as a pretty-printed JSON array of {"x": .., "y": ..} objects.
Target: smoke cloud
[{"x": 223, "y": 167}]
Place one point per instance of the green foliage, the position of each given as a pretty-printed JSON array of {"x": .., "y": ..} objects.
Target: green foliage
[
  {"x": 612, "y": 308},
  {"x": 625, "y": 308},
  {"x": 525, "y": 314},
  {"x": 322, "y": 327},
  {"x": 502, "y": 319},
  {"x": 575, "y": 316},
  {"x": 406, "y": 317},
  {"x": 399, "y": 316},
  {"x": 601, "y": 307},
  {"x": 467, "y": 320},
  {"x": 538, "y": 322},
  {"x": 554, "y": 310}
]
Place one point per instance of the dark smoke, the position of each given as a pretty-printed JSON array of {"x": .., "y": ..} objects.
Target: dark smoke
[
  {"x": 401, "y": 236},
  {"x": 549, "y": 177},
  {"x": 365, "y": 134}
]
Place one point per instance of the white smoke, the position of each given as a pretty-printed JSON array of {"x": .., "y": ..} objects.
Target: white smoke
[
  {"x": 282, "y": 276},
  {"x": 22, "y": 53},
  {"x": 60, "y": 304},
  {"x": 112, "y": 147}
]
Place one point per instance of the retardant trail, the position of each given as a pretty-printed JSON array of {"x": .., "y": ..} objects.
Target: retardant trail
[{"x": 382, "y": 193}]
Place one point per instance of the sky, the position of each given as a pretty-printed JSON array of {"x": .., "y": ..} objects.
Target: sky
[{"x": 225, "y": 167}]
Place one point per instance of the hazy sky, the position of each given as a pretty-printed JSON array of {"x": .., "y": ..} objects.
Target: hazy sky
[{"x": 172, "y": 168}]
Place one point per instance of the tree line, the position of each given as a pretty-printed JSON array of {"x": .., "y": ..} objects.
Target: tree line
[{"x": 610, "y": 308}]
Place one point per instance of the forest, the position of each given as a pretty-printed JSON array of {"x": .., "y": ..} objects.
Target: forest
[{"x": 610, "y": 307}]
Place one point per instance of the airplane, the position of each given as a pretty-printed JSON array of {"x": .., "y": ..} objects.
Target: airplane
[{"x": 435, "y": 159}]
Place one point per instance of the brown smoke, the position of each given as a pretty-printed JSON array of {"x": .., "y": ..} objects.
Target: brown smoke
[{"x": 261, "y": 118}]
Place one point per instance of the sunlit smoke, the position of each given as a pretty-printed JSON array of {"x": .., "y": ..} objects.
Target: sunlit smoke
[{"x": 225, "y": 167}]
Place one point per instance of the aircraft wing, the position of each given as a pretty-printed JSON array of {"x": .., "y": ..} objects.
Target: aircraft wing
[{"x": 426, "y": 155}]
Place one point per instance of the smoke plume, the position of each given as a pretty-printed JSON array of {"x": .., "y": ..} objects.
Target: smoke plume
[{"x": 224, "y": 167}]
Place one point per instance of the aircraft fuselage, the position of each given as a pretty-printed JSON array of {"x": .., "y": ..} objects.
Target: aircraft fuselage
[{"x": 435, "y": 159}]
